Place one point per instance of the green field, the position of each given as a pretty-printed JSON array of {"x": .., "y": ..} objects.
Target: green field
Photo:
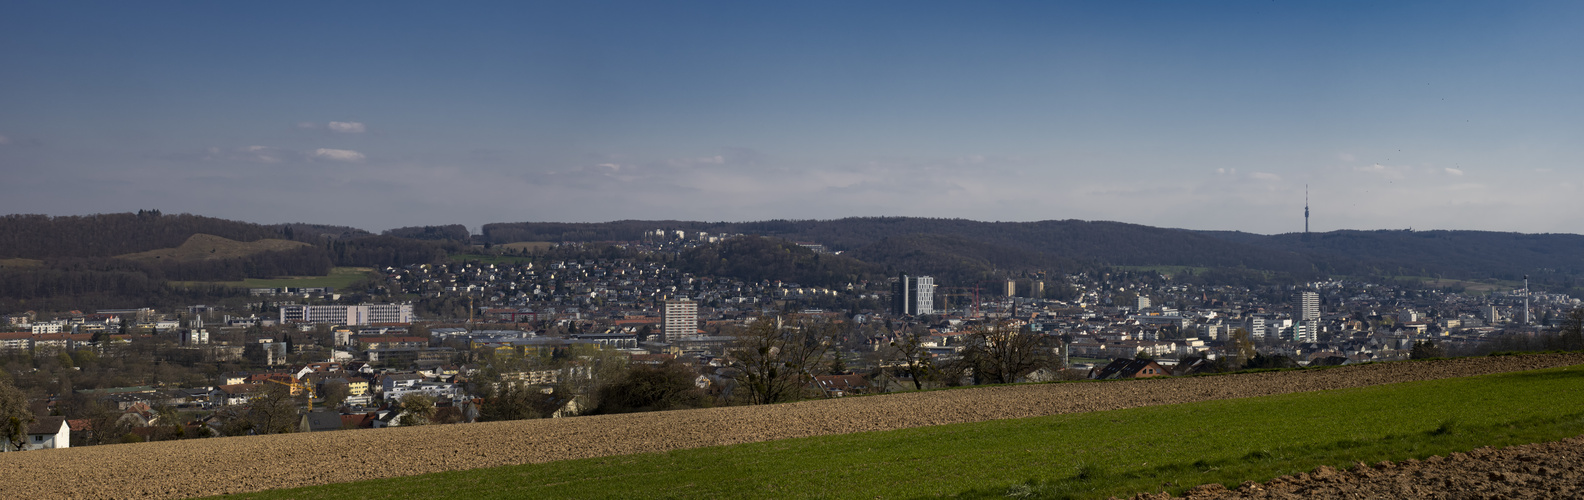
[
  {"x": 1091, "y": 455},
  {"x": 339, "y": 278},
  {"x": 1470, "y": 287}
]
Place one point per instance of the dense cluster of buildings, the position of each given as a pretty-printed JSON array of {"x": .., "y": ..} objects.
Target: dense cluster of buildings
[{"x": 647, "y": 311}]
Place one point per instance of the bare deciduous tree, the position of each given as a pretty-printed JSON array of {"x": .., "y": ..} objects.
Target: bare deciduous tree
[
  {"x": 274, "y": 411},
  {"x": 774, "y": 361},
  {"x": 908, "y": 349},
  {"x": 1001, "y": 353},
  {"x": 14, "y": 414}
]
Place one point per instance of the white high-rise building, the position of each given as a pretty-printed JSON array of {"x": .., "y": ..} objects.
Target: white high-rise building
[
  {"x": 681, "y": 320},
  {"x": 926, "y": 295},
  {"x": 1308, "y": 327},
  {"x": 1143, "y": 303}
]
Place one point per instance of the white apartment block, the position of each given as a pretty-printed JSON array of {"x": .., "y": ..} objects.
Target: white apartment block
[
  {"x": 681, "y": 320},
  {"x": 361, "y": 314}
]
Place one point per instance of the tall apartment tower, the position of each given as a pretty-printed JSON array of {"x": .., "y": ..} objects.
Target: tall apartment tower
[
  {"x": 1011, "y": 288},
  {"x": 681, "y": 320},
  {"x": 1143, "y": 303},
  {"x": 1308, "y": 309},
  {"x": 913, "y": 295},
  {"x": 1526, "y": 301}
]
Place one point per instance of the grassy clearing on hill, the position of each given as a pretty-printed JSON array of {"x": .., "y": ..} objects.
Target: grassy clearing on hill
[
  {"x": 1090, "y": 455},
  {"x": 201, "y": 247},
  {"x": 338, "y": 278},
  {"x": 489, "y": 258},
  {"x": 533, "y": 246}
]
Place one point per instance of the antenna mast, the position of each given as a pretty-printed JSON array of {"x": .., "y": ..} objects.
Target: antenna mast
[{"x": 1306, "y": 213}]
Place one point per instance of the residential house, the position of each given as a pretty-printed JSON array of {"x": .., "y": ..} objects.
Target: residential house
[
  {"x": 835, "y": 386},
  {"x": 45, "y": 433},
  {"x": 320, "y": 421},
  {"x": 233, "y": 394},
  {"x": 399, "y": 381},
  {"x": 234, "y": 378},
  {"x": 1130, "y": 368}
]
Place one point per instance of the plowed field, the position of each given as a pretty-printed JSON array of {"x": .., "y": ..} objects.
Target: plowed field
[
  {"x": 1540, "y": 470},
  {"x": 174, "y": 469}
]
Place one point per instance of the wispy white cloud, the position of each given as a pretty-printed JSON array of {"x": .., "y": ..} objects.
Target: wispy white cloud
[
  {"x": 346, "y": 155},
  {"x": 347, "y": 127},
  {"x": 338, "y": 127},
  {"x": 691, "y": 162},
  {"x": 256, "y": 154},
  {"x": 1388, "y": 172},
  {"x": 1398, "y": 172}
]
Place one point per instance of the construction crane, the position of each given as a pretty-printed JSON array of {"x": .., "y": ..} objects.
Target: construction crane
[
  {"x": 966, "y": 291},
  {"x": 298, "y": 387}
]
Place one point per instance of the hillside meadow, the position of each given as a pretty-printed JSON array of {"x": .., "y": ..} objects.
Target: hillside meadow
[{"x": 1083, "y": 455}]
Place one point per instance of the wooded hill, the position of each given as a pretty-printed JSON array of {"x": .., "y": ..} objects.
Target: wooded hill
[
  {"x": 941, "y": 245},
  {"x": 66, "y": 258},
  {"x": 116, "y": 260}
]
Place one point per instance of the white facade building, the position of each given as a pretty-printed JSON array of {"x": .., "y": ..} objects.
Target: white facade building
[
  {"x": 913, "y": 295},
  {"x": 1308, "y": 327},
  {"x": 681, "y": 320},
  {"x": 361, "y": 314}
]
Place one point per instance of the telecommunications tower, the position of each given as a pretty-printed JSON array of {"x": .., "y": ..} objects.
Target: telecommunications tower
[{"x": 1306, "y": 213}]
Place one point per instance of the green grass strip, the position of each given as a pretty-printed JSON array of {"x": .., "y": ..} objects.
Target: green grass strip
[
  {"x": 339, "y": 278},
  {"x": 1090, "y": 455}
]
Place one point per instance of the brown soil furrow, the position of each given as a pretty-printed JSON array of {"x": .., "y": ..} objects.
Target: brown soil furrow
[
  {"x": 173, "y": 469},
  {"x": 1540, "y": 470}
]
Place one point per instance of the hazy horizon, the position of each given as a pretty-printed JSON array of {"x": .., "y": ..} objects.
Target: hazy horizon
[{"x": 1204, "y": 116}]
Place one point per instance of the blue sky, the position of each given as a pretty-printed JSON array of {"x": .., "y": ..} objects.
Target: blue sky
[{"x": 1203, "y": 115}]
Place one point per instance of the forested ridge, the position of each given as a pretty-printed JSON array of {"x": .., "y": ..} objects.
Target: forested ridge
[
  {"x": 74, "y": 256},
  {"x": 754, "y": 258},
  {"x": 938, "y": 245},
  {"x": 100, "y": 260}
]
